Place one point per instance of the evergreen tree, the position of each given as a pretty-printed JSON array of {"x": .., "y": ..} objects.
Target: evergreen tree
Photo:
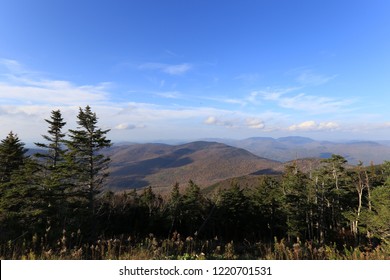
[
  {"x": 332, "y": 197},
  {"x": 268, "y": 202},
  {"x": 297, "y": 201},
  {"x": 54, "y": 173},
  {"x": 234, "y": 210},
  {"x": 86, "y": 164},
  {"x": 151, "y": 209},
  {"x": 194, "y": 206},
  {"x": 55, "y": 139},
  {"x": 12, "y": 156},
  {"x": 377, "y": 221},
  {"x": 20, "y": 200},
  {"x": 84, "y": 146},
  {"x": 149, "y": 199},
  {"x": 174, "y": 209},
  {"x": 22, "y": 203}
]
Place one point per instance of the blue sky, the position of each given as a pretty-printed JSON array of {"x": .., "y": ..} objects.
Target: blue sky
[{"x": 155, "y": 70}]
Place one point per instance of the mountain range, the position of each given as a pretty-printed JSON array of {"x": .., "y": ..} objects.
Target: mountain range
[
  {"x": 209, "y": 162},
  {"x": 161, "y": 165},
  {"x": 290, "y": 148}
]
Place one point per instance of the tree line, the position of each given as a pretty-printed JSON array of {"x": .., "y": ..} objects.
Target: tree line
[
  {"x": 332, "y": 205},
  {"x": 56, "y": 189},
  {"x": 61, "y": 192}
]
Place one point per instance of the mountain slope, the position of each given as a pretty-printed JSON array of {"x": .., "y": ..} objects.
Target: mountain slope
[{"x": 160, "y": 165}]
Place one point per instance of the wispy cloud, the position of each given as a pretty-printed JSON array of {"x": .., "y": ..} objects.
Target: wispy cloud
[
  {"x": 171, "y": 69},
  {"x": 238, "y": 122},
  {"x": 288, "y": 98},
  {"x": 27, "y": 97},
  {"x": 255, "y": 123},
  {"x": 127, "y": 126},
  {"x": 11, "y": 65},
  {"x": 271, "y": 94},
  {"x": 52, "y": 92},
  {"x": 248, "y": 77},
  {"x": 212, "y": 120},
  {"x": 228, "y": 100},
  {"x": 169, "y": 94},
  {"x": 309, "y": 103},
  {"x": 314, "y": 126},
  {"x": 315, "y": 104},
  {"x": 310, "y": 78},
  {"x": 152, "y": 113},
  {"x": 20, "y": 86}
]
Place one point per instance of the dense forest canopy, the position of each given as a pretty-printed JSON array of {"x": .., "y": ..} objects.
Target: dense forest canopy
[{"x": 58, "y": 199}]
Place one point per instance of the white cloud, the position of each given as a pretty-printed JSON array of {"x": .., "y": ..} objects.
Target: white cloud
[
  {"x": 211, "y": 120},
  {"x": 314, "y": 126},
  {"x": 127, "y": 126},
  {"x": 255, "y": 123},
  {"x": 124, "y": 126},
  {"x": 11, "y": 65},
  {"x": 251, "y": 122},
  {"x": 20, "y": 86},
  {"x": 328, "y": 126},
  {"x": 27, "y": 97},
  {"x": 252, "y": 98},
  {"x": 309, "y": 78},
  {"x": 148, "y": 113},
  {"x": 52, "y": 92},
  {"x": 177, "y": 69},
  {"x": 171, "y": 69},
  {"x": 315, "y": 104},
  {"x": 227, "y": 100},
  {"x": 271, "y": 94},
  {"x": 303, "y": 102}
]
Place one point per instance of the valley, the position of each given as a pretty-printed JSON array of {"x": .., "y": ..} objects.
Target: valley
[{"x": 135, "y": 166}]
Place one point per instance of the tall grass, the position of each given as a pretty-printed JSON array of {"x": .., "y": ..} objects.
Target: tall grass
[{"x": 69, "y": 246}]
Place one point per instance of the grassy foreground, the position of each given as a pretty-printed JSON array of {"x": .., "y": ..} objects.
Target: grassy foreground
[{"x": 179, "y": 248}]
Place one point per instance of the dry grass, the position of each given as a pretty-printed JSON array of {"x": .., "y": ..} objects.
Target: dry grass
[{"x": 179, "y": 248}]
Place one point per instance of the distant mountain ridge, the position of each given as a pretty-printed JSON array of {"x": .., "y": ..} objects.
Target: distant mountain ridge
[
  {"x": 136, "y": 165},
  {"x": 207, "y": 163},
  {"x": 161, "y": 165},
  {"x": 294, "y": 147}
]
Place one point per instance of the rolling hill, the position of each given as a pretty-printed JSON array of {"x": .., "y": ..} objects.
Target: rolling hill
[{"x": 161, "y": 165}]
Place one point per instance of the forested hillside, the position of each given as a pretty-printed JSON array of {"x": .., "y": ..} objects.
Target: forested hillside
[
  {"x": 54, "y": 205},
  {"x": 159, "y": 165}
]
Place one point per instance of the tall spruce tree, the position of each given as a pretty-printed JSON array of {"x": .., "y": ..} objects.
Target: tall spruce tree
[
  {"x": 174, "y": 210},
  {"x": 22, "y": 203},
  {"x": 19, "y": 195},
  {"x": 269, "y": 204},
  {"x": 85, "y": 159},
  {"x": 296, "y": 201},
  {"x": 234, "y": 209},
  {"x": 194, "y": 208},
  {"x": 55, "y": 139},
  {"x": 54, "y": 173},
  {"x": 12, "y": 156}
]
